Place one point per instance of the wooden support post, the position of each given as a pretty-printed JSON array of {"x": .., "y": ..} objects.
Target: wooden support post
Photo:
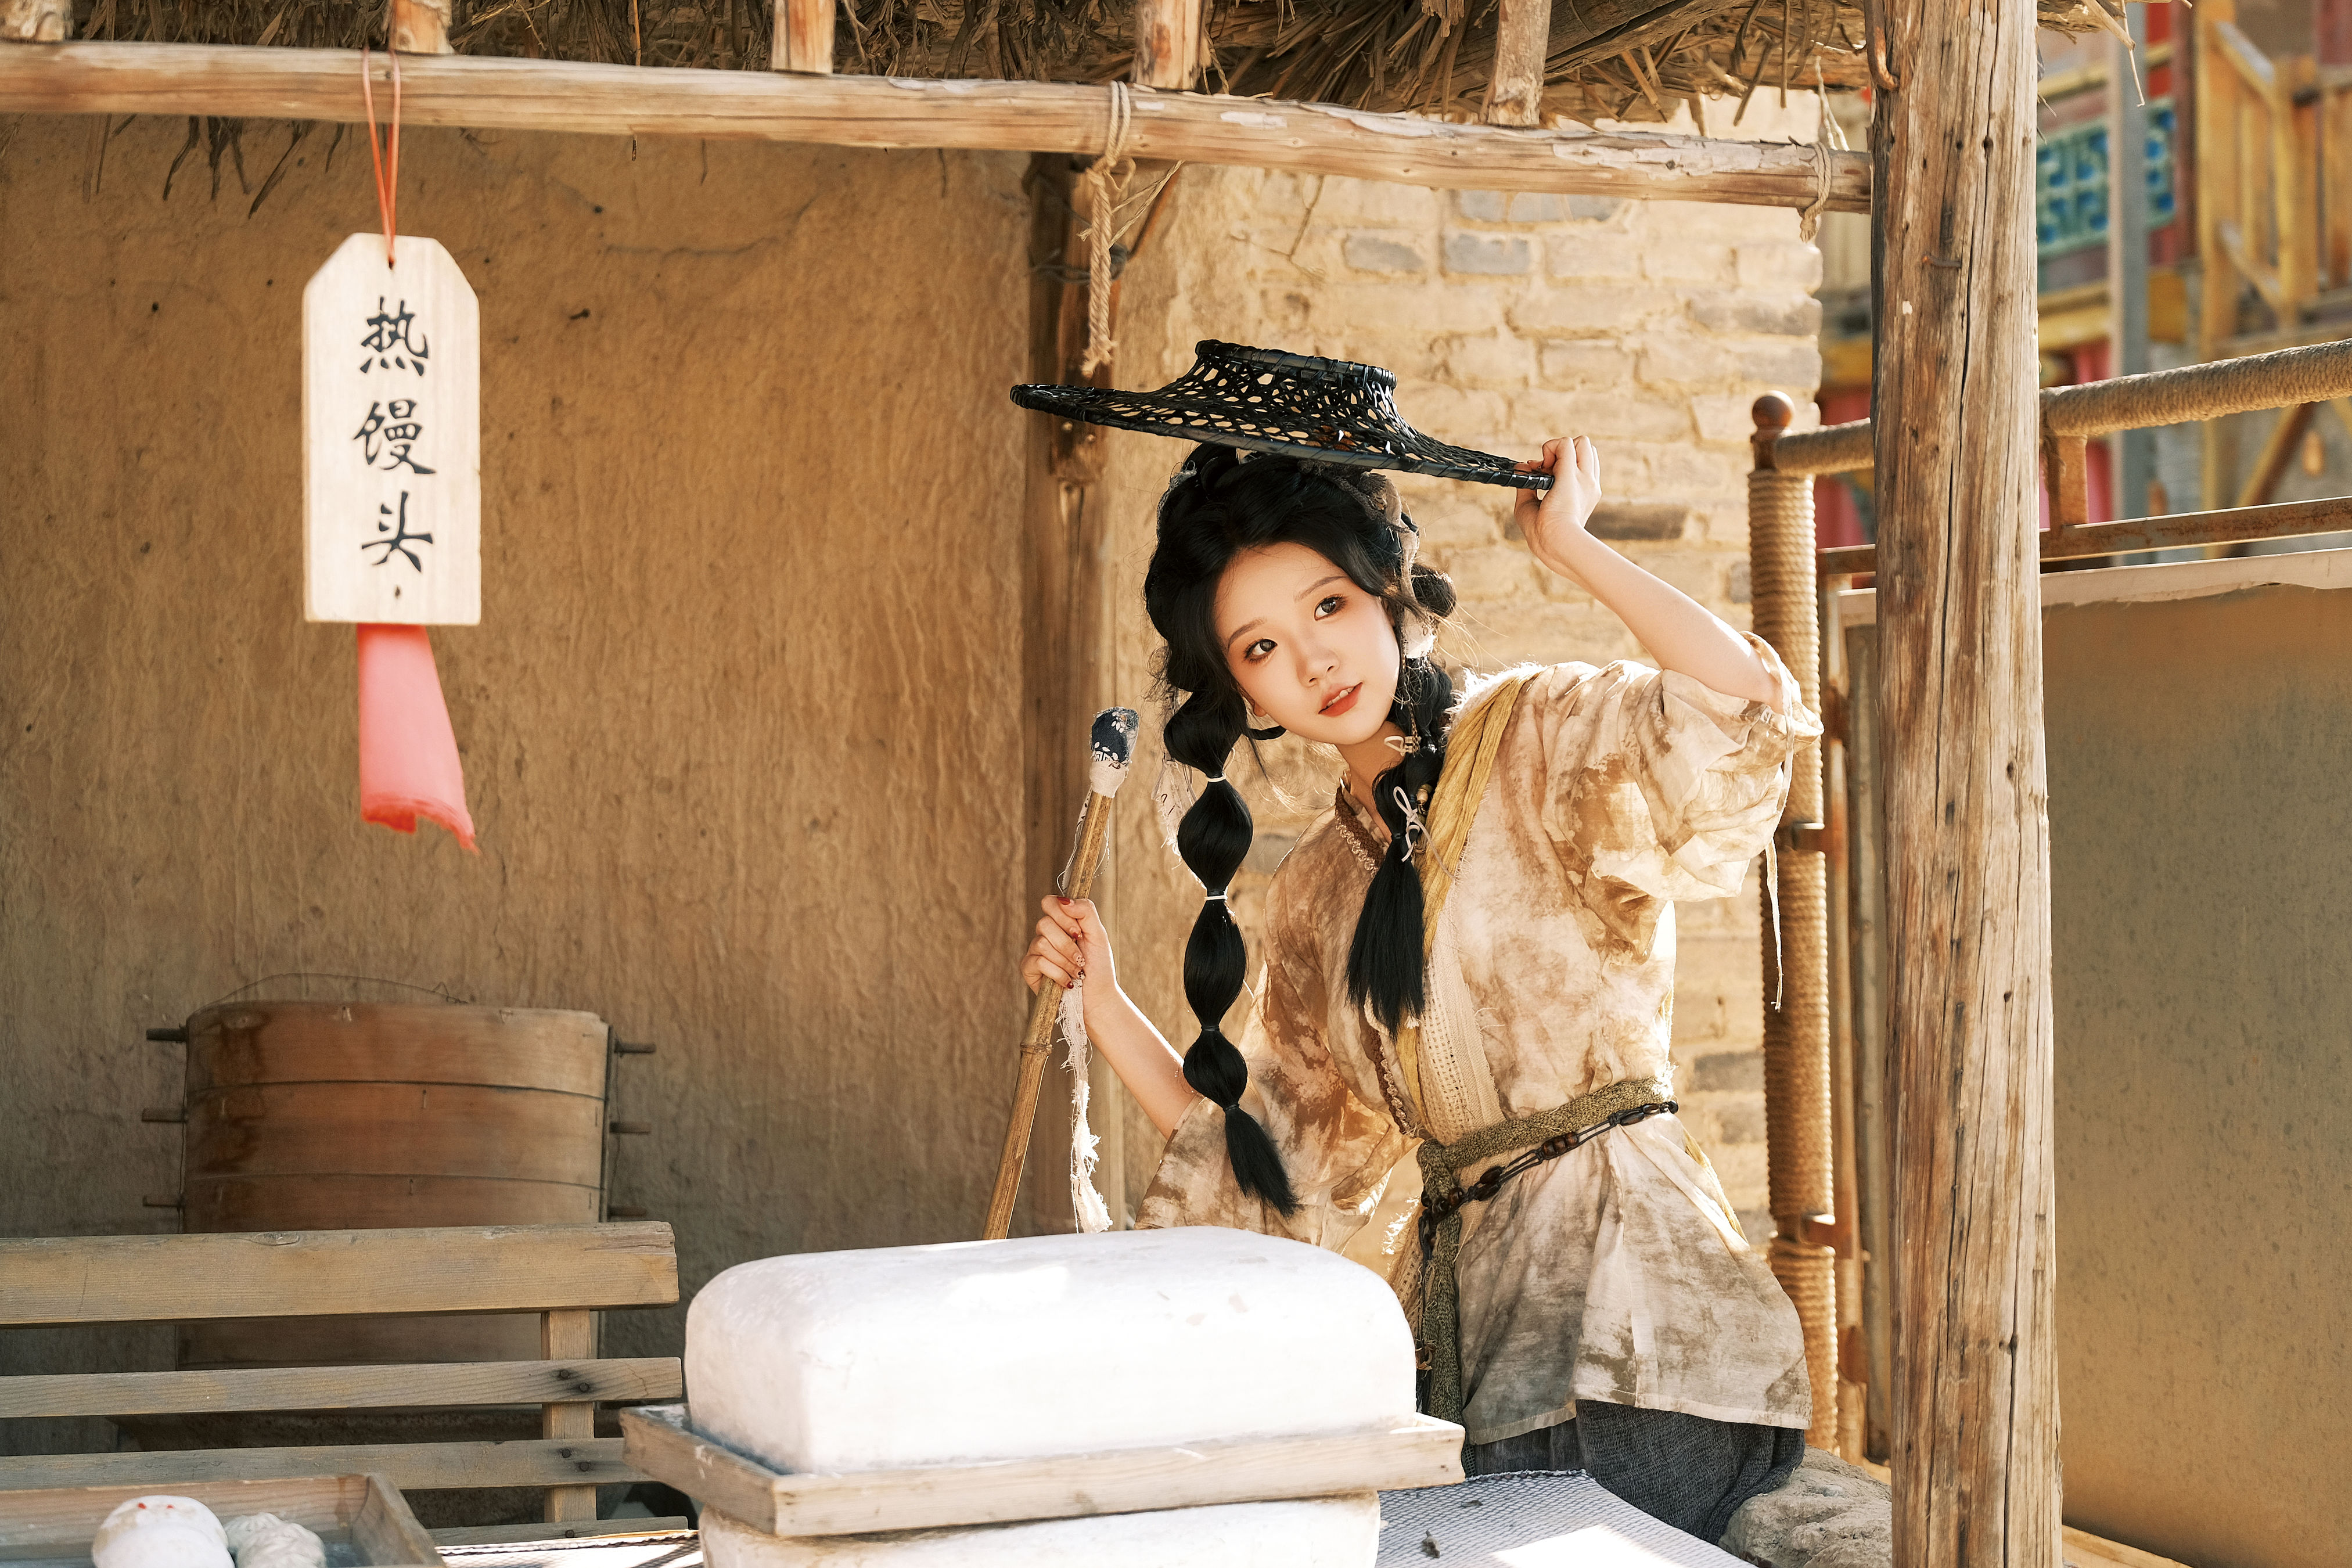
[
  {"x": 2217, "y": 304},
  {"x": 419, "y": 27},
  {"x": 2134, "y": 451},
  {"x": 2277, "y": 452},
  {"x": 803, "y": 37},
  {"x": 569, "y": 1336},
  {"x": 1959, "y": 693},
  {"x": 35, "y": 21},
  {"x": 2066, "y": 475},
  {"x": 1522, "y": 39},
  {"x": 1167, "y": 43},
  {"x": 1061, "y": 594}
]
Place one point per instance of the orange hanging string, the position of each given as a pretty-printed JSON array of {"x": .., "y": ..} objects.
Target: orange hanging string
[{"x": 387, "y": 179}]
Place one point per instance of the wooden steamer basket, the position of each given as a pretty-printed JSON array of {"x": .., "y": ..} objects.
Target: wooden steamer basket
[{"x": 52, "y": 1526}]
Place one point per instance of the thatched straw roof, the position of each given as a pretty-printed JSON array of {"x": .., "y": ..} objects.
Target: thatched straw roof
[{"x": 1630, "y": 59}]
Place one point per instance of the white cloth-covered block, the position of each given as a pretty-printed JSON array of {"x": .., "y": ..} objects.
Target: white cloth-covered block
[
  {"x": 840, "y": 1362},
  {"x": 1317, "y": 1532}
]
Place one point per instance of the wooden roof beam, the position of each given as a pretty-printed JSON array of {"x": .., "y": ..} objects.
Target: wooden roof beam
[{"x": 888, "y": 111}]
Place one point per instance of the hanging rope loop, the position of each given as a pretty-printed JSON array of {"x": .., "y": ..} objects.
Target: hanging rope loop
[
  {"x": 385, "y": 158},
  {"x": 1106, "y": 188}
]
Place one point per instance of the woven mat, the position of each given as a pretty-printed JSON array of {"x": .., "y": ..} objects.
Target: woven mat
[{"x": 1532, "y": 1520}]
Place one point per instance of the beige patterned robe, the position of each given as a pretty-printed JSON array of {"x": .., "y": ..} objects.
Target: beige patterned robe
[{"x": 1617, "y": 1273}]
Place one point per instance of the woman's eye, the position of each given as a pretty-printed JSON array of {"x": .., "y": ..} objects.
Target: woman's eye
[
  {"x": 1330, "y": 606},
  {"x": 1258, "y": 650}
]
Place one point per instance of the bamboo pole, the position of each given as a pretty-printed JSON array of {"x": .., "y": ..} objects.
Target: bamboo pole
[
  {"x": 803, "y": 37},
  {"x": 1167, "y": 43},
  {"x": 1037, "y": 1040},
  {"x": 888, "y": 112},
  {"x": 1515, "y": 88},
  {"x": 1959, "y": 693}
]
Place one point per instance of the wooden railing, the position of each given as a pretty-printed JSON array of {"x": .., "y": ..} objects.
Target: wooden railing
[
  {"x": 2298, "y": 379},
  {"x": 2258, "y": 178}
]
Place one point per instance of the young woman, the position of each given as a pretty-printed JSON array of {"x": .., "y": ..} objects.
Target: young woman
[{"x": 1473, "y": 953}]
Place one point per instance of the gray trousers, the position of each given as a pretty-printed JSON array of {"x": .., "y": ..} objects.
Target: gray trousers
[{"x": 1684, "y": 1470}]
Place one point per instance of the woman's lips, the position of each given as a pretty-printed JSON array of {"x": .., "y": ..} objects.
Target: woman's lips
[{"x": 1342, "y": 702}]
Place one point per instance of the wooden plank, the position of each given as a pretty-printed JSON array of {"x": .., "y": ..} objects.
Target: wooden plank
[
  {"x": 804, "y": 36},
  {"x": 341, "y": 1387},
  {"x": 2284, "y": 520},
  {"x": 330, "y": 1273},
  {"x": 1167, "y": 43},
  {"x": 604, "y": 1531},
  {"x": 411, "y": 1467},
  {"x": 311, "y": 1042},
  {"x": 569, "y": 1336},
  {"x": 1975, "y": 1401},
  {"x": 2085, "y": 1550},
  {"x": 387, "y": 1532},
  {"x": 1515, "y": 88},
  {"x": 1420, "y": 1451},
  {"x": 881, "y": 111}
]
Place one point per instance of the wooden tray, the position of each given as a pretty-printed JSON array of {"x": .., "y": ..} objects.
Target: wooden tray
[
  {"x": 1420, "y": 1451},
  {"x": 52, "y": 1526}
]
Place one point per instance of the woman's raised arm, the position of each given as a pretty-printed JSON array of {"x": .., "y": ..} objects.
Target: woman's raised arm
[{"x": 1681, "y": 634}]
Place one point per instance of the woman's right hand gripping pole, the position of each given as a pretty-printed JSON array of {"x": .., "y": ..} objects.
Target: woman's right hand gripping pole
[{"x": 1071, "y": 945}]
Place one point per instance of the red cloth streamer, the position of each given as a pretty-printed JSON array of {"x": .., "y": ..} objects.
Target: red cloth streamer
[{"x": 408, "y": 753}]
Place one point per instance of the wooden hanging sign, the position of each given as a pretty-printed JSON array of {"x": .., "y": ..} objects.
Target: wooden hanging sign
[{"x": 392, "y": 447}]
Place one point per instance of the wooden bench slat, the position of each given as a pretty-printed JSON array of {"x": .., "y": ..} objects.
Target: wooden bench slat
[
  {"x": 600, "y": 1530},
  {"x": 412, "y": 1467},
  {"x": 335, "y": 1273},
  {"x": 342, "y": 1387}
]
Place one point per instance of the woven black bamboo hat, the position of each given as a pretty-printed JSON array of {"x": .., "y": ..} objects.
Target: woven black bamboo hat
[{"x": 1333, "y": 410}]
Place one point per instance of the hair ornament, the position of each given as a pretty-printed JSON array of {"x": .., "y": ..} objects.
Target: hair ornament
[{"x": 1416, "y": 828}]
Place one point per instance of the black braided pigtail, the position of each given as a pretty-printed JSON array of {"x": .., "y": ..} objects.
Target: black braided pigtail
[
  {"x": 1212, "y": 839},
  {"x": 1385, "y": 959}
]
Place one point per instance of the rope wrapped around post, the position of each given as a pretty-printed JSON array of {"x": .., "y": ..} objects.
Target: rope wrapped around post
[{"x": 1799, "y": 1155}]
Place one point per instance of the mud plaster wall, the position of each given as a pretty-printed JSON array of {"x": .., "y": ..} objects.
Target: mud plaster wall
[
  {"x": 747, "y": 664},
  {"x": 2198, "y": 861},
  {"x": 1649, "y": 326}
]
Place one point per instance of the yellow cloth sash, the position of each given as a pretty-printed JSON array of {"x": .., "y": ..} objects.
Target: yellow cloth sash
[{"x": 1477, "y": 737}]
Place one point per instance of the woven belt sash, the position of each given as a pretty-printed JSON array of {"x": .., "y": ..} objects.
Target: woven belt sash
[{"x": 1441, "y": 1168}]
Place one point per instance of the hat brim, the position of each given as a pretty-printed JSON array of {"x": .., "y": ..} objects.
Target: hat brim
[{"x": 1152, "y": 414}]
